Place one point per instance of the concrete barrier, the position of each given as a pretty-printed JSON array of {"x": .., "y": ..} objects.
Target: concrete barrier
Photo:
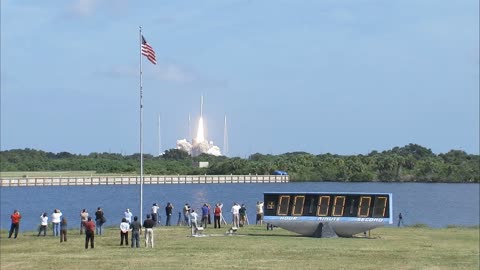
[{"x": 147, "y": 180}]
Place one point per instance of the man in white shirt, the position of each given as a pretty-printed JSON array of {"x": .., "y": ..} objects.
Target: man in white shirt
[
  {"x": 236, "y": 215},
  {"x": 124, "y": 227},
  {"x": 128, "y": 216},
  {"x": 259, "y": 213},
  {"x": 155, "y": 208},
  {"x": 56, "y": 218},
  {"x": 193, "y": 221}
]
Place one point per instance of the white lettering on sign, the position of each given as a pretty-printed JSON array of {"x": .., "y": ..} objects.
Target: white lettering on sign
[
  {"x": 370, "y": 219},
  {"x": 288, "y": 218},
  {"x": 328, "y": 219}
]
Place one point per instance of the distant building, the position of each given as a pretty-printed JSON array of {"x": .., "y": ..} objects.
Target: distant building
[{"x": 201, "y": 164}]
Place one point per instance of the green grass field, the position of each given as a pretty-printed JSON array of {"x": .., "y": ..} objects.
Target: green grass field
[{"x": 253, "y": 248}]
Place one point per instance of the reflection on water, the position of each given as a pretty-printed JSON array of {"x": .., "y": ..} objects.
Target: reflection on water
[{"x": 436, "y": 205}]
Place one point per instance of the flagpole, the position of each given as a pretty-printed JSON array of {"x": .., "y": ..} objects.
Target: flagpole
[{"x": 141, "y": 132}]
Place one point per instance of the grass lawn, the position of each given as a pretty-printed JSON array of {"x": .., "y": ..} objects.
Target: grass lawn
[{"x": 253, "y": 248}]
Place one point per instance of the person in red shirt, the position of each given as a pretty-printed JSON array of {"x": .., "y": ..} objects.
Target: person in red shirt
[
  {"x": 89, "y": 232},
  {"x": 15, "y": 223},
  {"x": 217, "y": 213}
]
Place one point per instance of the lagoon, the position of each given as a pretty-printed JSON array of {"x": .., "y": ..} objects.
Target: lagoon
[{"x": 432, "y": 204}]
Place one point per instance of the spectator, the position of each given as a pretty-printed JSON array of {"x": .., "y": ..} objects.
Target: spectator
[
  {"x": 155, "y": 217},
  {"x": 56, "y": 218},
  {"x": 43, "y": 224},
  {"x": 259, "y": 219},
  {"x": 243, "y": 215},
  {"x": 148, "y": 224},
  {"x": 99, "y": 220},
  {"x": 83, "y": 219},
  {"x": 63, "y": 230},
  {"x": 89, "y": 233},
  {"x": 236, "y": 215},
  {"x": 204, "y": 215},
  {"x": 136, "y": 227},
  {"x": 168, "y": 213},
  {"x": 217, "y": 213},
  {"x": 128, "y": 215},
  {"x": 124, "y": 227}
]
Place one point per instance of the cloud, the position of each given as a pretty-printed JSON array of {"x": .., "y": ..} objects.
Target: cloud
[
  {"x": 175, "y": 73},
  {"x": 87, "y": 8},
  {"x": 164, "y": 71},
  {"x": 84, "y": 8}
]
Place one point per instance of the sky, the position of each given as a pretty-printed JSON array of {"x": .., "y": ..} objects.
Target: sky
[{"x": 341, "y": 77}]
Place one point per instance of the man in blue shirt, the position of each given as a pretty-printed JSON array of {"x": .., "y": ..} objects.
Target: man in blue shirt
[{"x": 204, "y": 215}]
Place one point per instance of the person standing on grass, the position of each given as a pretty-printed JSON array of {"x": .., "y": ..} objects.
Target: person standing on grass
[
  {"x": 128, "y": 215},
  {"x": 186, "y": 214},
  {"x": 15, "y": 217},
  {"x": 259, "y": 218},
  {"x": 168, "y": 213},
  {"x": 400, "y": 219},
  {"x": 155, "y": 217},
  {"x": 148, "y": 224},
  {"x": 236, "y": 215},
  {"x": 43, "y": 224},
  {"x": 193, "y": 222},
  {"x": 209, "y": 214},
  {"x": 63, "y": 230},
  {"x": 56, "y": 218},
  {"x": 136, "y": 227},
  {"x": 124, "y": 227},
  {"x": 99, "y": 220},
  {"x": 89, "y": 233},
  {"x": 217, "y": 213},
  {"x": 83, "y": 219},
  {"x": 204, "y": 215},
  {"x": 243, "y": 215}
]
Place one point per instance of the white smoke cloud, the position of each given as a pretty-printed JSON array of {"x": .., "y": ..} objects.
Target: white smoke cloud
[{"x": 195, "y": 149}]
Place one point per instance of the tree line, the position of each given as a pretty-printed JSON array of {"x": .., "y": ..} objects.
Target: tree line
[{"x": 410, "y": 163}]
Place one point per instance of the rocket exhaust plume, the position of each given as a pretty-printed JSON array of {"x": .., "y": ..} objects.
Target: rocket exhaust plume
[
  {"x": 199, "y": 144},
  {"x": 200, "y": 134}
]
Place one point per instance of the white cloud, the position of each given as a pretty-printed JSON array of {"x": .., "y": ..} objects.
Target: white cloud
[
  {"x": 173, "y": 73},
  {"x": 85, "y": 7}
]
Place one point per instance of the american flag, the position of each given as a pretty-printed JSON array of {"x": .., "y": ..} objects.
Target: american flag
[{"x": 148, "y": 51}]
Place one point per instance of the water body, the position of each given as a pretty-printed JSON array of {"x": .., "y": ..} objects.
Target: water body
[{"x": 436, "y": 205}]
